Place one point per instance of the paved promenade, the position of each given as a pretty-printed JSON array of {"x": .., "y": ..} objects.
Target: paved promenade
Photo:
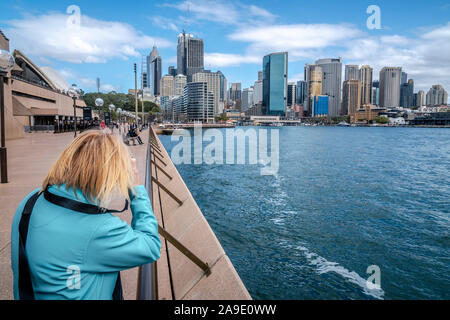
[{"x": 29, "y": 160}]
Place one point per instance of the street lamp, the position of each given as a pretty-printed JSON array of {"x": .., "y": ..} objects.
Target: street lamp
[
  {"x": 119, "y": 112},
  {"x": 99, "y": 103},
  {"x": 74, "y": 93},
  {"x": 6, "y": 64}
]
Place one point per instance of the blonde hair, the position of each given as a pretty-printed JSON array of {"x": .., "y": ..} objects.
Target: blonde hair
[{"x": 96, "y": 163}]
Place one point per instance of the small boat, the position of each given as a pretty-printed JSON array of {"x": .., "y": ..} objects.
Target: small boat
[{"x": 343, "y": 124}]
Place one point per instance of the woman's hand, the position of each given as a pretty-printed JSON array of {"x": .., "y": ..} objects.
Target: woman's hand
[{"x": 135, "y": 171}]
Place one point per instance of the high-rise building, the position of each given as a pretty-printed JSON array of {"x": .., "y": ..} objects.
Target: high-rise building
[
  {"x": 168, "y": 86},
  {"x": 351, "y": 96},
  {"x": 291, "y": 94},
  {"x": 247, "y": 99},
  {"x": 421, "y": 99},
  {"x": 260, "y": 76},
  {"x": 198, "y": 102},
  {"x": 223, "y": 87},
  {"x": 407, "y": 94},
  {"x": 390, "y": 78},
  {"x": 375, "y": 96},
  {"x": 351, "y": 72},
  {"x": 180, "y": 82},
  {"x": 154, "y": 72},
  {"x": 366, "y": 79},
  {"x": 172, "y": 71},
  {"x": 404, "y": 78},
  {"x": 437, "y": 96},
  {"x": 212, "y": 79},
  {"x": 313, "y": 79},
  {"x": 301, "y": 92},
  {"x": 235, "y": 91},
  {"x": 331, "y": 83},
  {"x": 190, "y": 55},
  {"x": 275, "y": 74},
  {"x": 258, "y": 92}
]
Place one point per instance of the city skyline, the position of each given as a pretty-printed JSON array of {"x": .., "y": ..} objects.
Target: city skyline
[{"x": 235, "y": 47}]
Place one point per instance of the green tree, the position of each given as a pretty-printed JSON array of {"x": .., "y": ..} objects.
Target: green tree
[{"x": 381, "y": 120}]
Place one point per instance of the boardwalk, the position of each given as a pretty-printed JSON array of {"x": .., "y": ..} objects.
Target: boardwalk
[{"x": 29, "y": 159}]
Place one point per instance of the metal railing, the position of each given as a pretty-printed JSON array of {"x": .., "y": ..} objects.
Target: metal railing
[{"x": 157, "y": 163}]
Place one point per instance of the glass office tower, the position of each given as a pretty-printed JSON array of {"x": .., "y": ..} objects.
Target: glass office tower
[{"x": 275, "y": 71}]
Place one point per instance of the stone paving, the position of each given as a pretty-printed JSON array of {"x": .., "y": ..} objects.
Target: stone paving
[{"x": 29, "y": 160}]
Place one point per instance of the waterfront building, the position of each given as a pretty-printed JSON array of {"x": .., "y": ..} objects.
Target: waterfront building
[
  {"x": 190, "y": 55},
  {"x": 168, "y": 86},
  {"x": 375, "y": 96},
  {"x": 437, "y": 96},
  {"x": 365, "y": 77},
  {"x": 421, "y": 99},
  {"x": 154, "y": 72},
  {"x": 301, "y": 92},
  {"x": 351, "y": 72},
  {"x": 275, "y": 73},
  {"x": 390, "y": 78},
  {"x": 331, "y": 83},
  {"x": 366, "y": 114},
  {"x": 180, "y": 82},
  {"x": 213, "y": 80},
  {"x": 320, "y": 105},
  {"x": 198, "y": 102},
  {"x": 351, "y": 96},
  {"x": 291, "y": 94},
  {"x": 407, "y": 94},
  {"x": 313, "y": 79},
  {"x": 36, "y": 98}
]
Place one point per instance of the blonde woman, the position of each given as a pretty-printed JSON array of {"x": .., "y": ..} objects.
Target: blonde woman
[{"x": 65, "y": 244}]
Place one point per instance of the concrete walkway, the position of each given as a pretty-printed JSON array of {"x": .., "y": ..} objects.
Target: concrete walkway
[{"x": 29, "y": 160}]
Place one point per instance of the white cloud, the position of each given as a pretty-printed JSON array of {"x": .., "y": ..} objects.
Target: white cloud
[
  {"x": 223, "y": 12},
  {"x": 95, "y": 41},
  {"x": 165, "y": 23},
  {"x": 217, "y": 60}
]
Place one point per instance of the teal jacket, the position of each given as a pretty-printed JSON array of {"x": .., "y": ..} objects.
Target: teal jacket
[{"x": 75, "y": 256}]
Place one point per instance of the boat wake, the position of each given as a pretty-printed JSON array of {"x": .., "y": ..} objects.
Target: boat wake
[{"x": 322, "y": 266}]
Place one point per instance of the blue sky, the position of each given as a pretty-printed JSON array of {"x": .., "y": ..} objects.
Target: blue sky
[{"x": 114, "y": 34}]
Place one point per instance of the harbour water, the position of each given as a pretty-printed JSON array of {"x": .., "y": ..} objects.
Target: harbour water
[{"x": 343, "y": 199}]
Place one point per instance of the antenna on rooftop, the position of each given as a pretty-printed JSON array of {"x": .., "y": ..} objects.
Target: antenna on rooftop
[{"x": 186, "y": 21}]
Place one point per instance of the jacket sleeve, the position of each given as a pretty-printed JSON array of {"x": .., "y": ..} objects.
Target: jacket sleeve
[{"x": 116, "y": 246}]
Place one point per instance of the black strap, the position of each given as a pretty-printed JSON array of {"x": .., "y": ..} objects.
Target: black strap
[
  {"x": 25, "y": 285},
  {"x": 79, "y": 206}
]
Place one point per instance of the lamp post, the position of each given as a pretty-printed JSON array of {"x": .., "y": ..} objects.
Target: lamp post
[
  {"x": 74, "y": 93},
  {"x": 99, "y": 103},
  {"x": 6, "y": 64}
]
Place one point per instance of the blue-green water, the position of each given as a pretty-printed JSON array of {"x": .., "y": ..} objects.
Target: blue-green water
[{"x": 344, "y": 199}]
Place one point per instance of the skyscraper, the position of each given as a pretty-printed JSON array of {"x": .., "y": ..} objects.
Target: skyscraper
[
  {"x": 390, "y": 78},
  {"x": 198, "y": 102},
  {"x": 291, "y": 94},
  {"x": 407, "y": 94},
  {"x": 180, "y": 82},
  {"x": 437, "y": 96},
  {"x": 275, "y": 73},
  {"x": 313, "y": 79},
  {"x": 172, "y": 71},
  {"x": 331, "y": 83},
  {"x": 301, "y": 92},
  {"x": 351, "y": 96},
  {"x": 167, "y": 86},
  {"x": 351, "y": 72},
  {"x": 235, "y": 91},
  {"x": 154, "y": 72},
  {"x": 190, "y": 56},
  {"x": 421, "y": 99},
  {"x": 258, "y": 92},
  {"x": 247, "y": 99},
  {"x": 212, "y": 79},
  {"x": 366, "y": 78}
]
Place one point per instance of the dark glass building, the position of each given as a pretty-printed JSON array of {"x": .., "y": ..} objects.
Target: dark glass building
[{"x": 275, "y": 72}]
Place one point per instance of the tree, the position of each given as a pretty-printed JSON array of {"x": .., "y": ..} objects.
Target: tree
[{"x": 381, "y": 120}]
